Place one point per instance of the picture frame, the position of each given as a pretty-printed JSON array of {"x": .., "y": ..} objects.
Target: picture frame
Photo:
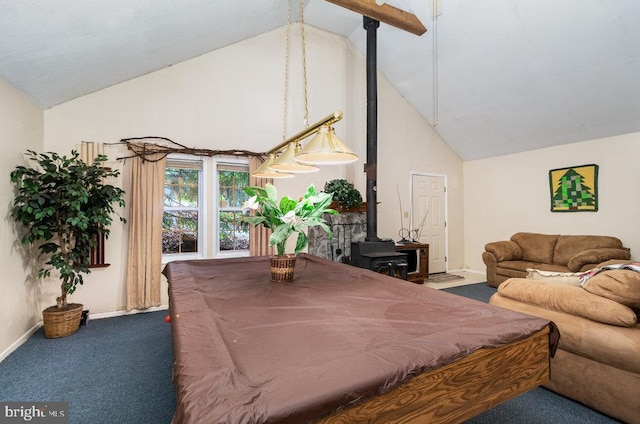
[{"x": 574, "y": 188}]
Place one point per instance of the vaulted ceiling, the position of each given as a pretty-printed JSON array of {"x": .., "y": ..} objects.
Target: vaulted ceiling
[{"x": 512, "y": 75}]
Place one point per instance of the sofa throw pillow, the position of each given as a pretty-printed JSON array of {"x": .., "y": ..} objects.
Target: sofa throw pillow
[
  {"x": 569, "y": 246},
  {"x": 596, "y": 256},
  {"x": 536, "y": 247},
  {"x": 559, "y": 277},
  {"x": 570, "y": 299},
  {"x": 619, "y": 285}
]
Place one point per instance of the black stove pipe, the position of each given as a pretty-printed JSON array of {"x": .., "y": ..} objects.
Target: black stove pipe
[{"x": 371, "y": 25}]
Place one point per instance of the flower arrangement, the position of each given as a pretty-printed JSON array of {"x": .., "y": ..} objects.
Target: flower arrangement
[{"x": 287, "y": 216}]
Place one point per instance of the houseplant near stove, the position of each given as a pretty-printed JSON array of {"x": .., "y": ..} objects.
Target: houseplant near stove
[
  {"x": 63, "y": 204},
  {"x": 284, "y": 218},
  {"x": 345, "y": 195}
]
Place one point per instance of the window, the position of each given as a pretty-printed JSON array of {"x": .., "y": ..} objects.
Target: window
[
  {"x": 180, "y": 220},
  {"x": 202, "y": 207},
  {"x": 232, "y": 233}
]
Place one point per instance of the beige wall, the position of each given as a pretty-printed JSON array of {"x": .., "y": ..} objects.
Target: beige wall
[
  {"x": 507, "y": 194},
  {"x": 233, "y": 98},
  {"x": 21, "y": 127}
]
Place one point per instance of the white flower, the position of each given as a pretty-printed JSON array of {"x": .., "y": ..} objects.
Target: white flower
[
  {"x": 251, "y": 203},
  {"x": 315, "y": 199},
  {"x": 290, "y": 218}
]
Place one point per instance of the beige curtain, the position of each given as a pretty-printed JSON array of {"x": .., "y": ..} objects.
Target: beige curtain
[
  {"x": 144, "y": 262},
  {"x": 258, "y": 235}
]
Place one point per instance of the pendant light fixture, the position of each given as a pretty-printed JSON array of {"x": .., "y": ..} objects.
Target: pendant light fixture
[
  {"x": 324, "y": 149},
  {"x": 287, "y": 162},
  {"x": 264, "y": 170}
]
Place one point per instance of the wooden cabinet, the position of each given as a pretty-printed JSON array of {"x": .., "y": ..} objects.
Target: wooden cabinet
[{"x": 418, "y": 257}]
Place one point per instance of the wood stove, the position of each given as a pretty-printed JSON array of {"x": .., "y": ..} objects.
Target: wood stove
[{"x": 380, "y": 256}]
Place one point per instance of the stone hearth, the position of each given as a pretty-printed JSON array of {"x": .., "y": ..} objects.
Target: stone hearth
[{"x": 347, "y": 227}]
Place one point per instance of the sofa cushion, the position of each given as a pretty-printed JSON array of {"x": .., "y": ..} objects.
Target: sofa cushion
[
  {"x": 524, "y": 265},
  {"x": 536, "y": 247},
  {"x": 620, "y": 285},
  {"x": 560, "y": 277},
  {"x": 570, "y": 299},
  {"x": 595, "y": 256},
  {"x": 569, "y": 246},
  {"x": 518, "y": 269}
]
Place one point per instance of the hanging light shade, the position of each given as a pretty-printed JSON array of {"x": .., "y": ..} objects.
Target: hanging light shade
[
  {"x": 286, "y": 162},
  {"x": 264, "y": 171},
  {"x": 325, "y": 148}
]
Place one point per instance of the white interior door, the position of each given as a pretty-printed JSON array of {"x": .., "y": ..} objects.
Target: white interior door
[{"x": 428, "y": 217}]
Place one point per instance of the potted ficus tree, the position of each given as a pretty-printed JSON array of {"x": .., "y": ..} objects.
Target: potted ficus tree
[{"x": 63, "y": 205}]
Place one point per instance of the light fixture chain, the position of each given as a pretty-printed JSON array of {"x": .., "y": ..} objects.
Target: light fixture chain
[
  {"x": 287, "y": 55},
  {"x": 304, "y": 65}
]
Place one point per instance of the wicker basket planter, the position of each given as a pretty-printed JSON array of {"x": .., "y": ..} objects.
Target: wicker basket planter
[
  {"x": 61, "y": 322},
  {"x": 282, "y": 267}
]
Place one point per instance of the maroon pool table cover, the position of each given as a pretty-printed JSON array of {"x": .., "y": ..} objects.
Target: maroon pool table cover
[{"x": 248, "y": 350}]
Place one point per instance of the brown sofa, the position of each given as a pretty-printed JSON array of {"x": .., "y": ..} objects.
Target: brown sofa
[
  {"x": 548, "y": 252},
  {"x": 597, "y": 361}
]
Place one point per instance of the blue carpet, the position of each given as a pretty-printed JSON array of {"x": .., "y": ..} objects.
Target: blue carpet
[
  {"x": 536, "y": 406},
  {"x": 114, "y": 370},
  {"x": 479, "y": 291}
]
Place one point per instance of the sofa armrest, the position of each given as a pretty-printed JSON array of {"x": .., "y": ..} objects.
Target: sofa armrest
[
  {"x": 596, "y": 256},
  {"x": 505, "y": 250},
  {"x": 492, "y": 265},
  {"x": 498, "y": 251}
]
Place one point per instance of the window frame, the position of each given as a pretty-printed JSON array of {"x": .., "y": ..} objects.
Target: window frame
[
  {"x": 191, "y": 162},
  {"x": 232, "y": 161},
  {"x": 209, "y": 210}
]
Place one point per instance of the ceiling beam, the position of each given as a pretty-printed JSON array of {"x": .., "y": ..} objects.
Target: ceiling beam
[{"x": 385, "y": 13}]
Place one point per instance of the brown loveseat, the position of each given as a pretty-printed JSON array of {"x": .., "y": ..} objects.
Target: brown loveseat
[
  {"x": 597, "y": 361},
  {"x": 548, "y": 252}
]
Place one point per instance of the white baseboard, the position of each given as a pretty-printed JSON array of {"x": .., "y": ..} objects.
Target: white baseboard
[
  {"x": 470, "y": 271},
  {"x": 98, "y": 315},
  {"x": 451, "y": 271},
  {"x": 112, "y": 314},
  {"x": 473, "y": 271},
  {"x": 20, "y": 341}
]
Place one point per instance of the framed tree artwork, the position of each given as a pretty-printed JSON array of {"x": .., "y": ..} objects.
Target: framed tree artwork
[{"x": 574, "y": 189}]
